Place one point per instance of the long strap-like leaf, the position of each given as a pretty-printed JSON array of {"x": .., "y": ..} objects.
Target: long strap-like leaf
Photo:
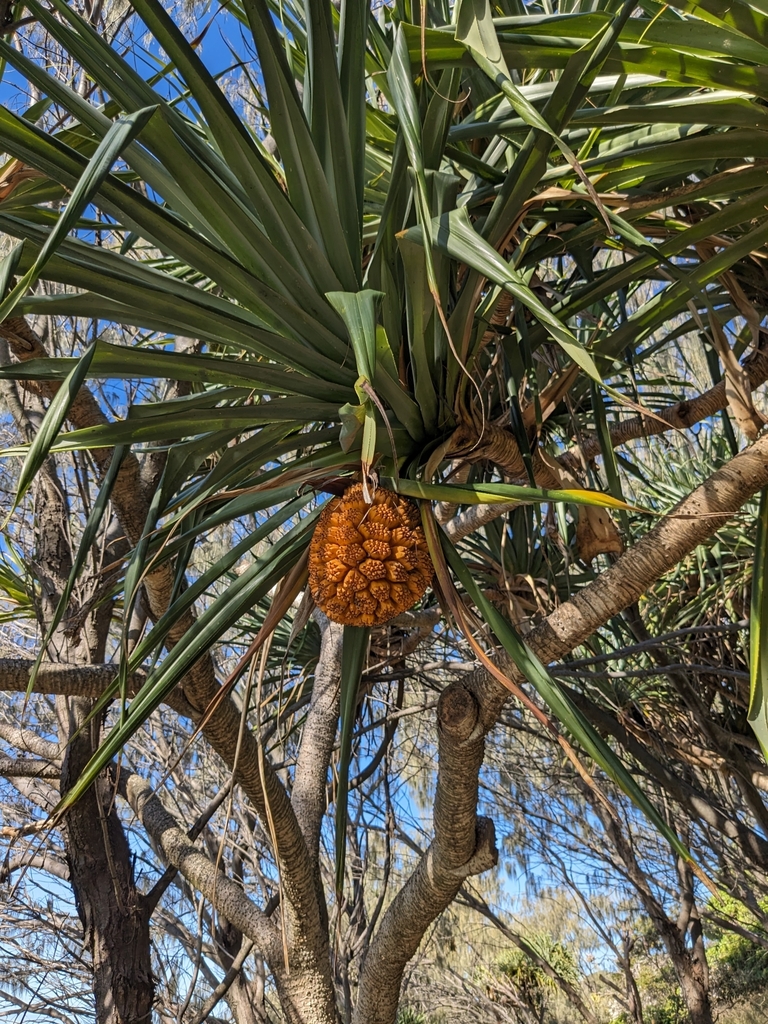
[
  {"x": 52, "y": 422},
  {"x": 92, "y": 526},
  {"x": 119, "y": 136},
  {"x": 570, "y": 717},
  {"x": 353, "y": 653}
]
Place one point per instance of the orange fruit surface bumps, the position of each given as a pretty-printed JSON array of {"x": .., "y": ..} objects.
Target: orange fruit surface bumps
[{"x": 368, "y": 563}]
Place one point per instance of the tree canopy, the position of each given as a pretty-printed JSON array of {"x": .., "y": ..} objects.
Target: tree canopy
[{"x": 503, "y": 267}]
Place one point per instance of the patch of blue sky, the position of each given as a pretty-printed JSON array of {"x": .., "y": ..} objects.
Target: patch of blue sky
[
  {"x": 51, "y": 898},
  {"x": 15, "y": 91},
  {"x": 222, "y": 43}
]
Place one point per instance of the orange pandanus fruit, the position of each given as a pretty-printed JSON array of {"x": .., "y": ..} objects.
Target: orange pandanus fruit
[{"x": 368, "y": 563}]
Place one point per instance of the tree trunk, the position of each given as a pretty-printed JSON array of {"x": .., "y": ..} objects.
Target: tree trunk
[
  {"x": 114, "y": 918},
  {"x": 696, "y": 996},
  {"x": 690, "y": 966},
  {"x": 634, "y": 1002},
  {"x": 113, "y": 913}
]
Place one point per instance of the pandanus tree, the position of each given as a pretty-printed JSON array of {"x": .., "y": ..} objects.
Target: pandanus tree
[{"x": 435, "y": 258}]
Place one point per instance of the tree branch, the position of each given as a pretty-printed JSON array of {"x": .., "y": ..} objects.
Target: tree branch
[
  {"x": 226, "y": 896},
  {"x": 200, "y": 687},
  {"x": 692, "y": 521},
  {"x": 42, "y": 862},
  {"x": 679, "y": 416},
  {"x": 463, "y": 845},
  {"x": 155, "y": 894},
  {"x": 474, "y": 517},
  {"x": 225, "y": 984},
  {"x": 318, "y": 735},
  {"x": 25, "y": 739},
  {"x": 70, "y": 681},
  {"x": 429, "y": 889},
  {"x": 27, "y": 768}
]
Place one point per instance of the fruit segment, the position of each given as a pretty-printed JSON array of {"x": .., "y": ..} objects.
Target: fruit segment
[{"x": 368, "y": 563}]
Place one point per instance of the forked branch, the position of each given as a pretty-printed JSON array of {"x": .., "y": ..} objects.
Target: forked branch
[{"x": 429, "y": 890}]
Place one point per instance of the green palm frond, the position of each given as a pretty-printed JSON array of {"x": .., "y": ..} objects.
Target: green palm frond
[{"x": 448, "y": 218}]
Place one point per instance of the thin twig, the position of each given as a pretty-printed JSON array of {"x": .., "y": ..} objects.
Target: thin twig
[{"x": 225, "y": 984}]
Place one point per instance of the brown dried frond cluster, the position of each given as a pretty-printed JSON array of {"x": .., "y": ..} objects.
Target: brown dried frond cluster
[{"x": 368, "y": 563}]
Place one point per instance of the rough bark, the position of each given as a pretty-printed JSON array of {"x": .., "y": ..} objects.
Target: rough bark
[
  {"x": 100, "y": 866},
  {"x": 180, "y": 851},
  {"x": 303, "y": 915},
  {"x": 114, "y": 916},
  {"x": 27, "y": 768},
  {"x": 696, "y": 986},
  {"x": 303, "y": 991},
  {"x": 426, "y": 893},
  {"x": 71, "y": 681},
  {"x": 24, "y": 739},
  {"x": 319, "y": 734},
  {"x": 432, "y": 886},
  {"x": 463, "y": 845}
]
